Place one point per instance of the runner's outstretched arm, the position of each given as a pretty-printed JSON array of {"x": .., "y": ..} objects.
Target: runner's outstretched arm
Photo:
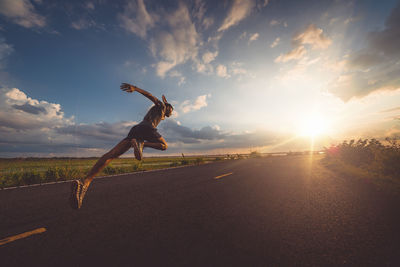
[{"x": 131, "y": 88}]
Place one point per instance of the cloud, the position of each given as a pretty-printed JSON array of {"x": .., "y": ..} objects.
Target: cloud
[
  {"x": 374, "y": 67},
  {"x": 89, "y": 5},
  {"x": 275, "y": 42},
  {"x": 200, "y": 102},
  {"x": 83, "y": 24},
  {"x": 222, "y": 71},
  {"x": 28, "y": 125},
  {"x": 178, "y": 75},
  {"x": 28, "y": 108},
  {"x": 198, "y": 13},
  {"x": 296, "y": 53},
  {"x": 391, "y": 110},
  {"x": 5, "y": 51},
  {"x": 31, "y": 127},
  {"x": 174, "y": 40},
  {"x": 213, "y": 140},
  {"x": 262, "y": 3},
  {"x": 236, "y": 68},
  {"x": 22, "y": 12},
  {"x": 208, "y": 22},
  {"x": 239, "y": 10},
  {"x": 20, "y": 112},
  {"x": 275, "y": 22},
  {"x": 180, "y": 43},
  {"x": 178, "y": 133},
  {"x": 209, "y": 56},
  {"x": 101, "y": 131},
  {"x": 137, "y": 19},
  {"x": 313, "y": 36},
  {"x": 254, "y": 37},
  {"x": 204, "y": 65},
  {"x": 310, "y": 36}
]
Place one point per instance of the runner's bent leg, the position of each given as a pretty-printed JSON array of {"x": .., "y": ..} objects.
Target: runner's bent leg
[
  {"x": 161, "y": 144},
  {"x": 115, "y": 152}
]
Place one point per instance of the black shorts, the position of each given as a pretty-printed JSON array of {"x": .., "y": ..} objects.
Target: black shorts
[{"x": 144, "y": 132}]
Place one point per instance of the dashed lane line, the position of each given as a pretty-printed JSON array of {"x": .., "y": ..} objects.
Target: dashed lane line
[
  {"x": 223, "y": 175},
  {"x": 20, "y": 236}
]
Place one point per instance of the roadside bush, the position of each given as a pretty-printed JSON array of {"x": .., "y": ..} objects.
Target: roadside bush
[
  {"x": 30, "y": 177},
  {"x": 184, "y": 162},
  {"x": 199, "y": 161},
  {"x": 174, "y": 164},
  {"x": 110, "y": 170},
  {"x": 368, "y": 154},
  {"x": 11, "y": 179},
  {"x": 51, "y": 174}
]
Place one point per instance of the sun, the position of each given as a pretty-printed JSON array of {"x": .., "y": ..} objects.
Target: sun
[{"x": 313, "y": 125}]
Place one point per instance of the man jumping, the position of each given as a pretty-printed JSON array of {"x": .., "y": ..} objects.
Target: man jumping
[{"x": 141, "y": 135}]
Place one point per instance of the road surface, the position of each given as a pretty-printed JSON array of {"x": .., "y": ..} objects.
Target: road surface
[{"x": 276, "y": 211}]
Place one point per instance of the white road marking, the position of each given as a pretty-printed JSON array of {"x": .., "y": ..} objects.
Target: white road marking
[
  {"x": 23, "y": 235},
  {"x": 223, "y": 175}
]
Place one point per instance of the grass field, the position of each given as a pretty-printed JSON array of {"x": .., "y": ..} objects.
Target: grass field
[{"x": 25, "y": 171}]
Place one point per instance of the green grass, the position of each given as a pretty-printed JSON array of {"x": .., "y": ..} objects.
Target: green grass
[{"x": 26, "y": 171}]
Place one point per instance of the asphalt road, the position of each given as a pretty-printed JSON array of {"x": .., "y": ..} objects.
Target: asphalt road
[{"x": 278, "y": 211}]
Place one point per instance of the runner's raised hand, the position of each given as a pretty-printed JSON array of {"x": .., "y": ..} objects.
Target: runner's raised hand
[{"x": 129, "y": 88}]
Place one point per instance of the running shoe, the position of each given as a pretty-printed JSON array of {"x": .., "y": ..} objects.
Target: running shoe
[
  {"x": 137, "y": 148},
  {"x": 74, "y": 198},
  {"x": 84, "y": 189}
]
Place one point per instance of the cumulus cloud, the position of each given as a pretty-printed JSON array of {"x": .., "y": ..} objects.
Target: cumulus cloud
[
  {"x": 313, "y": 36},
  {"x": 22, "y": 12},
  {"x": 29, "y": 125},
  {"x": 222, "y": 71},
  {"x": 174, "y": 41},
  {"x": 254, "y": 37},
  {"x": 239, "y": 10},
  {"x": 275, "y": 42},
  {"x": 101, "y": 131},
  {"x": 200, "y": 102},
  {"x": 310, "y": 36},
  {"x": 28, "y": 108},
  {"x": 204, "y": 65},
  {"x": 20, "y": 112},
  {"x": 175, "y": 132},
  {"x": 213, "y": 139},
  {"x": 374, "y": 67},
  {"x": 180, "y": 43},
  {"x": 209, "y": 56},
  {"x": 296, "y": 53},
  {"x": 137, "y": 19}
]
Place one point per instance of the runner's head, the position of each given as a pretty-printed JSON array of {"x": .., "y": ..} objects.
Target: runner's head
[{"x": 169, "y": 108}]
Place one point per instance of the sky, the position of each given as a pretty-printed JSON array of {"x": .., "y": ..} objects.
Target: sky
[{"x": 242, "y": 75}]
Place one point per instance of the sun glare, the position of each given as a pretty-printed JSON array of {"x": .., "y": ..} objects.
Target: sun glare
[{"x": 313, "y": 125}]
